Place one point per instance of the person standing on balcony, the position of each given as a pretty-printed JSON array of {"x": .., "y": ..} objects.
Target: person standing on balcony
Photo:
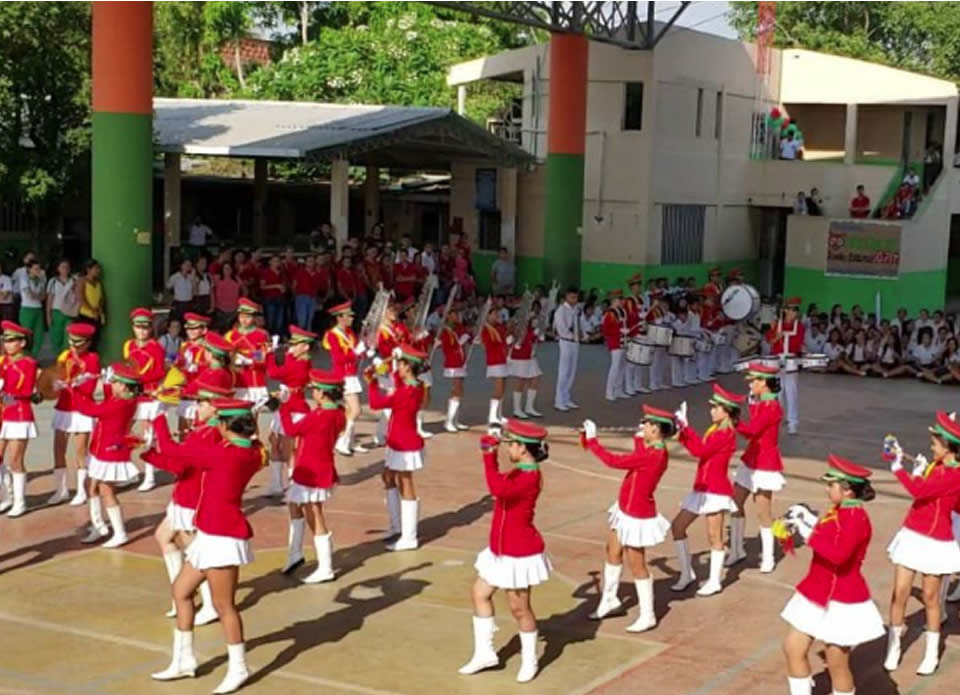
[
  {"x": 860, "y": 204},
  {"x": 788, "y": 147},
  {"x": 814, "y": 203},
  {"x": 800, "y": 204}
]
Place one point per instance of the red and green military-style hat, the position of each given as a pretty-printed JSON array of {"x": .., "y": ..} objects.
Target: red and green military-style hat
[
  {"x": 651, "y": 414},
  {"x": 80, "y": 332},
  {"x": 124, "y": 373},
  {"x": 615, "y": 294},
  {"x": 14, "y": 331},
  {"x": 141, "y": 316},
  {"x": 325, "y": 380},
  {"x": 300, "y": 335},
  {"x": 217, "y": 344},
  {"x": 792, "y": 303},
  {"x": 341, "y": 309},
  {"x": 205, "y": 391},
  {"x": 525, "y": 432},
  {"x": 246, "y": 305},
  {"x": 192, "y": 320},
  {"x": 759, "y": 370},
  {"x": 946, "y": 428},
  {"x": 726, "y": 398},
  {"x": 841, "y": 469},
  {"x": 412, "y": 354},
  {"x": 232, "y": 407}
]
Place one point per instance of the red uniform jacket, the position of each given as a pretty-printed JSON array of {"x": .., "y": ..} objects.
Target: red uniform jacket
[
  {"x": 839, "y": 543},
  {"x": 148, "y": 360},
  {"x": 405, "y": 279},
  {"x": 454, "y": 356},
  {"x": 714, "y": 452},
  {"x": 612, "y": 326},
  {"x": 636, "y": 316},
  {"x": 316, "y": 433},
  {"x": 763, "y": 435},
  {"x": 74, "y": 366},
  {"x": 226, "y": 469},
  {"x": 341, "y": 344},
  {"x": 494, "y": 337},
  {"x": 111, "y": 427},
  {"x": 934, "y": 497},
  {"x": 19, "y": 381},
  {"x": 191, "y": 360},
  {"x": 776, "y": 336},
  {"x": 390, "y": 337},
  {"x": 295, "y": 375},
  {"x": 217, "y": 376},
  {"x": 404, "y": 402},
  {"x": 423, "y": 345},
  {"x": 186, "y": 491},
  {"x": 525, "y": 348},
  {"x": 645, "y": 466},
  {"x": 515, "y": 494},
  {"x": 347, "y": 282},
  {"x": 372, "y": 275},
  {"x": 253, "y": 345}
]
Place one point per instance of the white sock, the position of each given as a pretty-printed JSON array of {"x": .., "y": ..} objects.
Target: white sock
[
  {"x": 766, "y": 544},
  {"x": 517, "y": 402},
  {"x": 531, "y": 397},
  {"x": 60, "y": 480},
  {"x": 116, "y": 521},
  {"x": 81, "y": 479},
  {"x": 348, "y": 433},
  {"x": 492, "y": 415},
  {"x": 96, "y": 512},
  {"x": 453, "y": 405},
  {"x": 295, "y": 537}
]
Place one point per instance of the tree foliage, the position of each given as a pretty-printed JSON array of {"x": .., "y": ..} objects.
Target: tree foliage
[
  {"x": 918, "y": 36},
  {"x": 44, "y": 95}
]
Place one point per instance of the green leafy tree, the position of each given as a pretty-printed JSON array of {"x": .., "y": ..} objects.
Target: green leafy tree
[
  {"x": 44, "y": 95},
  {"x": 227, "y": 23}
]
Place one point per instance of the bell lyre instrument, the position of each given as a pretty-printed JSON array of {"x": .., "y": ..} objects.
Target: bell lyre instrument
[
  {"x": 171, "y": 388},
  {"x": 521, "y": 320},
  {"x": 423, "y": 304},
  {"x": 478, "y": 329},
  {"x": 451, "y": 300}
]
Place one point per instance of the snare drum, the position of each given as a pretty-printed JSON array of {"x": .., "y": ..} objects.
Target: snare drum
[
  {"x": 661, "y": 336},
  {"x": 743, "y": 365},
  {"x": 640, "y": 352},
  {"x": 683, "y": 346},
  {"x": 814, "y": 361},
  {"x": 792, "y": 363},
  {"x": 746, "y": 340}
]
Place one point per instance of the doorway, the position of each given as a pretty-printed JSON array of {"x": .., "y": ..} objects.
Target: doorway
[{"x": 770, "y": 231}]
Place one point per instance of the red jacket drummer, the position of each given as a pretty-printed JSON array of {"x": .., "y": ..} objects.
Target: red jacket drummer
[
  {"x": 250, "y": 345},
  {"x": 345, "y": 353},
  {"x": 760, "y": 471},
  {"x": 636, "y": 321},
  {"x": 635, "y": 524},
  {"x": 786, "y": 338},
  {"x": 314, "y": 472},
  {"x": 615, "y": 335},
  {"x": 79, "y": 367},
  {"x": 452, "y": 339},
  {"x": 712, "y": 494},
  {"x": 925, "y": 544},
  {"x": 405, "y": 452},
  {"x": 146, "y": 355},
  {"x": 18, "y": 372},
  {"x": 222, "y": 543},
  {"x": 832, "y": 603},
  {"x": 514, "y": 559}
]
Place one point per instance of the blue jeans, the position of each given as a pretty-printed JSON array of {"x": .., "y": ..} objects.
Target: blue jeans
[
  {"x": 306, "y": 306},
  {"x": 273, "y": 309}
]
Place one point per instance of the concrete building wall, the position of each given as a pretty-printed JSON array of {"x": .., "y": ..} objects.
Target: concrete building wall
[{"x": 823, "y": 129}]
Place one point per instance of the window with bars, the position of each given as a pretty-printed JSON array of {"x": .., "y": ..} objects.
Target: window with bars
[{"x": 681, "y": 239}]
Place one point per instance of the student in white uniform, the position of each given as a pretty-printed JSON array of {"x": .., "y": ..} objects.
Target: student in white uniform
[
  {"x": 567, "y": 327},
  {"x": 679, "y": 373},
  {"x": 659, "y": 316}
]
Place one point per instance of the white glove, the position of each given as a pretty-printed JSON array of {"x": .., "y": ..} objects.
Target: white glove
[
  {"x": 510, "y": 340},
  {"x": 897, "y": 463},
  {"x": 920, "y": 464},
  {"x": 284, "y": 393},
  {"x": 360, "y": 348},
  {"x": 421, "y": 335},
  {"x": 260, "y": 403},
  {"x": 464, "y": 339},
  {"x": 681, "y": 416},
  {"x": 59, "y": 385},
  {"x": 370, "y": 353},
  {"x": 397, "y": 352},
  {"x": 275, "y": 341},
  {"x": 953, "y": 416},
  {"x": 241, "y": 360},
  {"x": 801, "y": 514},
  {"x": 590, "y": 429},
  {"x": 377, "y": 362},
  {"x": 802, "y": 528}
]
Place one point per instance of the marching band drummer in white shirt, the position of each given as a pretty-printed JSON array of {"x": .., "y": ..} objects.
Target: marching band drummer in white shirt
[
  {"x": 568, "y": 327},
  {"x": 679, "y": 366}
]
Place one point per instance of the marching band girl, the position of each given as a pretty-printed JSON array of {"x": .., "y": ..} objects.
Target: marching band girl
[
  {"x": 345, "y": 352},
  {"x": 405, "y": 453},
  {"x": 250, "y": 345},
  {"x": 422, "y": 342},
  {"x": 390, "y": 336},
  {"x": 925, "y": 543},
  {"x": 759, "y": 474},
  {"x": 514, "y": 560},
  {"x": 659, "y": 315},
  {"x": 218, "y": 369},
  {"x": 832, "y": 603},
  {"x": 496, "y": 342},
  {"x": 148, "y": 359},
  {"x": 314, "y": 471},
  {"x": 191, "y": 361},
  {"x": 79, "y": 367},
  {"x": 453, "y": 337},
  {"x": 712, "y": 494},
  {"x": 177, "y": 530},
  {"x": 19, "y": 374},
  {"x": 614, "y": 336},
  {"x": 525, "y": 369},
  {"x": 109, "y": 463},
  {"x": 290, "y": 366},
  {"x": 222, "y": 543},
  {"x": 635, "y": 524}
]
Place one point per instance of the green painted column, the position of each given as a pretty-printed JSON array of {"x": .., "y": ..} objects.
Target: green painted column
[
  {"x": 566, "y": 143},
  {"x": 122, "y": 162}
]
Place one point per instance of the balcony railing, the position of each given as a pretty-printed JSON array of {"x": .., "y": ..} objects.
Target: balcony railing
[{"x": 511, "y": 131}]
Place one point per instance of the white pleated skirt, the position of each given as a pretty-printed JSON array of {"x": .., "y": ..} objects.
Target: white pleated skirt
[
  {"x": 111, "y": 471},
  {"x": 426, "y": 378},
  {"x": 351, "y": 385},
  {"x": 455, "y": 372},
  {"x": 497, "y": 371},
  {"x": 72, "y": 422},
  {"x": 209, "y": 551},
  {"x": 404, "y": 460},
  {"x": 753, "y": 480},
  {"x": 276, "y": 424},
  {"x": 251, "y": 393},
  {"x": 180, "y": 518},
  {"x": 634, "y": 532},
  {"x": 842, "y": 624},
  {"x": 505, "y": 572},
  {"x": 148, "y": 410},
  {"x": 187, "y": 409},
  {"x": 303, "y": 494},
  {"x": 524, "y": 369},
  {"x": 708, "y": 503},
  {"x": 924, "y": 554},
  {"x": 18, "y": 430}
]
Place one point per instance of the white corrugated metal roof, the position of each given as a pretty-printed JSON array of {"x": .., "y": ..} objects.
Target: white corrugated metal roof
[{"x": 274, "y": 129}]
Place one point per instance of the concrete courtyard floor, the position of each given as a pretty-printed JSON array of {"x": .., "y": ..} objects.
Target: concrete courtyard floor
[{"x": 81, "y": 620}]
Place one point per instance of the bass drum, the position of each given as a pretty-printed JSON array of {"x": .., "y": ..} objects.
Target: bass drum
[
  {"x": 640, "y": 352},
  {"x": 740, "y": 302}
]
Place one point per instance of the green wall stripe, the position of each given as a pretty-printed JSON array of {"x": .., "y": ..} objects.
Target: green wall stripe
[
  {"x": 122, "y": 181},
  {"x": 915, "y": 291},
  {"x": 563, "y": 217}
]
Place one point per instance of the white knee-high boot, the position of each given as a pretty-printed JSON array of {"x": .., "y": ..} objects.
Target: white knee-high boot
[
  {"x": 647, "y": 618},
  {"x": 61, "y": 493},
  {"x": 609, "y": 601},
  {"x": 518, "y": 406},
  {"x": 531, "y": 399},
  {"x": 529, "y": 662},
  {"x": 931, "y": 654},
  {"x": 737, "y": 551},
  {"x": 173, "y": 561},
  {"x": 713, "y": 585},
  {"x": 484, "y": 655},
  {"x": 409, "y": 519},
  {"x": 767, "y": 562},
  {"x": 894, "y": 635},
  {"x": 799, "y": 686},
  {"x": 450, "y": 424},
  {"x": 237, "y": 671},
  {"x": 687, "y": 575},
  {"x": 183, "y": 663},
  {"x": 81, "y": 495},
  {"x": 19, "y": 507},
  {"x": 393, "y": 511},
  {"x": 119, "y": 536},
  {"x": 149, "y": 478},
  {"x": 324, "y": 572},
  {"x": 207, "y": 613},
  {"x": 294, "y": 545}
]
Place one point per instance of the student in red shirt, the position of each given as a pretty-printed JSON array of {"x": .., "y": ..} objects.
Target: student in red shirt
[
  {"x": 247, "y": 272},
  {"x": 306, "y": 286},
  {"x": 146, "y": 355},
  {"x": 273, "y": 289},
  {"x": 832, "y": 603},
  {"x": 515, "y": 558},
  {"x": 371, "y": 271},
  {"x": 325, "y": 279},
  {"x": 860, "y": 205},
  {"x": 405, "y": 277},
  {"x": 635, "y": 523},
  {"x": 18, "y": 371},
  {"x": 347, "y": 285}
]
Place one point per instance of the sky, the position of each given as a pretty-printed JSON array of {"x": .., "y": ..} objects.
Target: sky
[{"x": 708, "y": 17}]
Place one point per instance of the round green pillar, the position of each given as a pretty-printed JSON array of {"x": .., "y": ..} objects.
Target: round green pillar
[
  {"x": 122, "y": 176},
  {"x": 566, "y": 143}
]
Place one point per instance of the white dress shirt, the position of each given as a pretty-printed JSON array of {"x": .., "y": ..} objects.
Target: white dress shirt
[{"x": 565, "y": 322}]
